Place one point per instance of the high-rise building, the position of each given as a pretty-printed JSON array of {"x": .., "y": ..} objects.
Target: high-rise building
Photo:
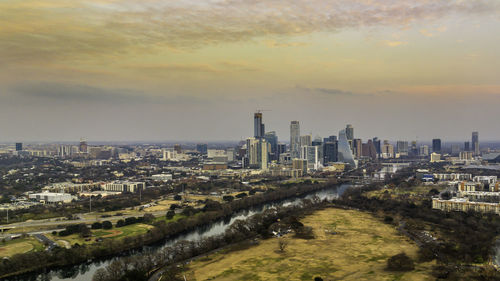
[
  {"x": 300, "y": 164},
  {"x": 344, "y": 150},
  {"x": 475, "y": 143},
  {"x": 257, "y": 153},
  {"x": 19, "y": 146},
  {"x": 312, "y": 155},
  {"x": 306, "y": 140},
  {"x": 202, "y": 148},
  {"x": 178, "y": 148},
  {"x": 378, "y": 147},
  {"x": 424, "y": 150},
  {"x": 455, "y": 149},
  {"x": 436, "y": 145},
  {"x": 358, "y": 148},
  {"x": 402, "y": 148},
  {"x": 349, "y": 132},
  {"x": 414, "y": 149},
  {"x": 294, "y": 139},
  {"x": 387, "y": 150},
  {"x": 272, "y": 139},
  {"x": 330, "y": 150},
  {"x": 369, "y": 150},
  {"x": 83, "y": 147},
  {"x": 466, "y": 146},
  {"x": 281, "y": 150},
  {"x": 258, "y": 126}
]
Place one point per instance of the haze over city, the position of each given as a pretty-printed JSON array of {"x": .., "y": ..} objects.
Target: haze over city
[{"x": 191, "y": 70}]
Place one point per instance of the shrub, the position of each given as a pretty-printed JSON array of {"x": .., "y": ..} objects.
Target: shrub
[
  {"x": 96, "y": 225},
  {"x": 400, "y": 262},
  {"x": 107, "y": 225},
  {"x": 170, "y": 214},
  {"x": 177, "y": 197}
]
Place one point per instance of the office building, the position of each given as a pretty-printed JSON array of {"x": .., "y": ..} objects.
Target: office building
[
  {"x": 369, "y": 150},
  {"x": 357, "y": 148},
  {"x": 387, "y": 150},
  {"x": 466, "y": 146},
  {"x": 50, "y": 197},
  {"x": 455, "y": 149},
  {"x": 294, "y": 139},
  {"x": 257, "y": 153},
  {"x": 475, "y": 143},
  {"x": 466, "y": 155},
  {"x": 178, "y": 148},
  {"x": 124, "y": 186},
  {"x": 311, "y": 155},
  {"x": 424, "y": 150},
  {"x": 435, "y": 157},
  {"x": 377, "y": 144},
  {"x": 19, "y": 146},
  {"x": 402, "y": 148},
  {"x": 306, "y": 140},
  {"x": 202, "y": 148},
  {"x": 349, "y": 132},
  {"x": 83, "y": 147},
  {"x": 436, "y": 145},
  {"x": 330, "y": 151},
  {"x": 258, "y": 126},
  {"x": 344, "y": 150},
  {"x": 300, "y": 164},
  {"x": 281, "y": 150},
  {"x": 272, "y": 140}
]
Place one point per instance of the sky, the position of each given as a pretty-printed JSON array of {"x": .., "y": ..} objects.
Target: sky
[{"x": 127, "y": 70}]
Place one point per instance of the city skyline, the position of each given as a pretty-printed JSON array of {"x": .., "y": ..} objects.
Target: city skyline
[{"x": 156, "y": 70}]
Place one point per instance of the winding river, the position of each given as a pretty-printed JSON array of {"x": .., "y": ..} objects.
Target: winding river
[{"x": 85, "y": 271}]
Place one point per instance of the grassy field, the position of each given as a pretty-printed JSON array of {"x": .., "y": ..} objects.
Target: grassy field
[
  {"x": 114, "y": 233},
  {"x": 19, "y": 246},
  {"x": 359, "y": 251}
]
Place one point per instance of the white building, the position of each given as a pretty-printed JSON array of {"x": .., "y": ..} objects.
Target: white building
[
  {"x": 124, "y": 186},
  {"x": 162, "y": 177},
  {"x": 50, "y": 197}
]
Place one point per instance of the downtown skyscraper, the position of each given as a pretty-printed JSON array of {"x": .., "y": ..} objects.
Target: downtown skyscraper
[
  {"x": 475, "y": 143},
  {"x": 294, "y": 139}
]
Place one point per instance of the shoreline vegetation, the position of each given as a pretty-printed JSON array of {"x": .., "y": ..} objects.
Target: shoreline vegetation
[{"x": 60, "y": 257}]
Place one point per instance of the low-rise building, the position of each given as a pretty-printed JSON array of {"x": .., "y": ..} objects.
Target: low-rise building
[
  {"x": 124, "y": 186},
  {"x": 162, "y": 177},
  {"x": 464, "y": 205},
  {"x": 50, "y": 197}
]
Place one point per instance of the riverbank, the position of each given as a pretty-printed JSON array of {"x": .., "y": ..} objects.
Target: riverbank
[
  {"x": 161, "y": 231},
  {"x": 348, "y": 245}
]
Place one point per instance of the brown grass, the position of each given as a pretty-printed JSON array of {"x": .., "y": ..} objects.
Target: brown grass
[{"x": 358, "y": 252}]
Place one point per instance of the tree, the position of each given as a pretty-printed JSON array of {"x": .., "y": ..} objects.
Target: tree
[
  {"x": 227, "y": 198},
  {"x": 241, "y": 195},
  {"x": 96, "y": 225},
  {"x": 170, "y": 214},
  {"x": 147, "y": 218},
  {"x": 84, "y": 231},
  {"x": 120, "y": 223},
  {"x": 107, "y": 225},
  {"x": 400, "y": 262},
  {"x": 177, "y": 197}
]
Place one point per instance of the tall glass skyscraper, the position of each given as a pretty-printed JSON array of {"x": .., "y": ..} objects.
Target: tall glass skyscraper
[
  {"x": 344, "y": 150},
  {"x": 475, "y": 143},
  {"x": 294, "y": 139}
]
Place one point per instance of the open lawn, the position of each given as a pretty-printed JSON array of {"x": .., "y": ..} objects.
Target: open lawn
[
  {"x": 359, "y": 251},
  {"x": 19, "y": 246},
  {"x": 115, "y": 232}
]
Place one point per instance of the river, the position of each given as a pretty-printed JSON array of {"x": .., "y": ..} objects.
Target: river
[{"x": 84, "y": 272}]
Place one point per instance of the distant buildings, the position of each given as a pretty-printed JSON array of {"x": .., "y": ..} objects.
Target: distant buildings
[
  {"x": 19, "y": 146},
  {"x": 124, "y": 186},
  {"x": 259, "y": 128},
  {"x": 387, "y": 150},
  {"x": 423, "y": 150},
  {"x": 51, "y": 198},
  {"x": 436, "y": 145},
  {"x": 402, "y": 148},
  {"x": 202, "y": 148},
  {"x": 475, "y": 143},
  {"x": 83, "y": 147},
  {"x": 344, "y": 150},
  {"x": 294, "y": 139},
  {"x": 435, "y": 157}
]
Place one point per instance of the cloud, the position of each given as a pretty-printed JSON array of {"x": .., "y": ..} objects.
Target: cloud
[
  {"x": 338, "y": 92},
  {"x": 394, "y": 43},
  {"x": 93, "y": 29},
  {"x": 275, "y": 44},
  {"x": 426, "y": 33}
]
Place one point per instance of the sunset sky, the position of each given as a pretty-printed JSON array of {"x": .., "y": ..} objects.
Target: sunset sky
[{"x": 197, "y": 70}]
